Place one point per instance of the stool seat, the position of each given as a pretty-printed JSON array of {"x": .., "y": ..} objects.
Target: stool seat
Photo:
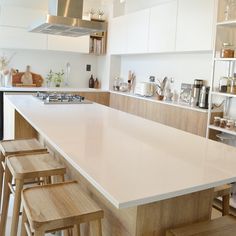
[
  {"x": 34, "y": 166},
  {"x": 24, "y": 167},
  {"x": 61, "y": 206},
  {"x": 223, "y": 226},
  {"x": 9, "y": 147}
]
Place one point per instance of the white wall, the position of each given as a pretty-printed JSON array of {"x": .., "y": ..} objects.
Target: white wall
[
  {"x": 42, "y": 61},
  {"x": 183, "y": 67}
]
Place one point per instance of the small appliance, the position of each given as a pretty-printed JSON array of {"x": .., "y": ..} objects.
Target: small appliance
[
  {"x": 203, "y": 99},
  {"x": 144, "y": 89}
]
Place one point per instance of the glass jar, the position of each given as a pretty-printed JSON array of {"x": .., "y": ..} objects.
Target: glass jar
[
  {"x": 223, "y": 84},
  {"x": 223, "y": 123},
  {"x": 230, "y": 124},
  {"x": 116, "y": 84},
  {"x": 217, "y": 121},
  {"x": 233, "y": 85},
  {"x": 227, "y": 50}
]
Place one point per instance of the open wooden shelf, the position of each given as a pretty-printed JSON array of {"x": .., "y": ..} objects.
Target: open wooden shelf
[
  {"x": 222, "y": 130},
  {"x": 224, "y": 94},
  {"x": 224, "y": 59},
  {"x": 231, "y": 23}
]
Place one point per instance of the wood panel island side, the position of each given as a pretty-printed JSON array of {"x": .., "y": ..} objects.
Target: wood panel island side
[{"x": 147, "y": 177}]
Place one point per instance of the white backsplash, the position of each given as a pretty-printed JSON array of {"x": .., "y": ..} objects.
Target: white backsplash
[{"x": 42, "y": 61}]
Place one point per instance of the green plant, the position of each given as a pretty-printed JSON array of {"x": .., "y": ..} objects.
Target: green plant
[
  {"x": 56, "y": 77},
  {"x": 49, "y": 76}
]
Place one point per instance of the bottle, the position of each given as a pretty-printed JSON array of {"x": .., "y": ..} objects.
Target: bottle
[
  {"x": 91, "y": 82},
  {"x": 96, "y": 83}
]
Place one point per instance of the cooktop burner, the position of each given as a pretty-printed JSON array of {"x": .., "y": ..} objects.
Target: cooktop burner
[{"x": 61, "y": 98}]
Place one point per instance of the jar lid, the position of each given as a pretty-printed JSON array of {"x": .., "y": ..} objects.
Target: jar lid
[
  {"x": 227, "y": 44},
  {"x": 223, "y": 119},
  {"x": 231, "y": 121},
  {"x": 217, "y": 117}
]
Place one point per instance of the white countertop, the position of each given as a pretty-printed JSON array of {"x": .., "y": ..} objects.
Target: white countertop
[
  {"x": 154, "y": 99},
  {"x": 130, "y": 160},
  {"x": 50, "y": 89}
]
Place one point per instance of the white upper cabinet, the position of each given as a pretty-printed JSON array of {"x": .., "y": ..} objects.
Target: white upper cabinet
[
  {"x": 19, "y": 16},
  {"x": 129, "y": 33},
  {"x": 117, "y": 35},
  {"x": 14, "y": 25},
  {"x": 162, "y": 28},
  {"x": 69, "y": 44},
  {"x": 137, "y": 31},
  {"x": 19, "y": 38},
  {"x": 195, "y": 25}
]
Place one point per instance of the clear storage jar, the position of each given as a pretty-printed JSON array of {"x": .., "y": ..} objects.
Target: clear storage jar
[
  {"x": 217, "y": 121},
  {"x": 233, "y": 85},
  {"x": 223, "y": 123},
  {"x": 223, "y": 84},
  {"x": 230, "y": 125},
  {"x": 227, "y": 50}
]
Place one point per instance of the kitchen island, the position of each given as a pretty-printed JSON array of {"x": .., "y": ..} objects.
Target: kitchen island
[
  {"x": 146, "y": 176},
  {"x": 96, "y": 95}
]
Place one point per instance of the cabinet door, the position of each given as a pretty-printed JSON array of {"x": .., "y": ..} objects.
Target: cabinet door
[
  {"x": 117, "y": 35},
  {"x": 195, "y": 25},
  {"x": 19, "y": 16},
  {"x": 69, "y": 44},
  {"x": 19, "y": 38},
  {"x": 137, "y": 31},
  {"x": 162, "y": 31}
]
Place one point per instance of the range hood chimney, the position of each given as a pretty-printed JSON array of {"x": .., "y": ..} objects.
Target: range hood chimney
[{"x": 65, "y": 18}]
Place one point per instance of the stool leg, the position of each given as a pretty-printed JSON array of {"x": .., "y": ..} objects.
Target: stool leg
[
  {"x": 225, "y": 205},
  {"x": 6, "y": 198},
  {"x": 95, "y": 228},
  {"x": 16, "y": 207},
  {"x": 24, "y": 220},
  {"x": 76, "y": 230},
  {"x": 1, "y": 178}
]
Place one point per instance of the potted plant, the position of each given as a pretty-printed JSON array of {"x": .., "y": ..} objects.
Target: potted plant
[
  {"x": 56, "y": 77},
  {"x": 49, "y": 78}
]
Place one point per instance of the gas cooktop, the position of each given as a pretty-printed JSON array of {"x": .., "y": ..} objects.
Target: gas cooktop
[{"x": 61, "y": 98}]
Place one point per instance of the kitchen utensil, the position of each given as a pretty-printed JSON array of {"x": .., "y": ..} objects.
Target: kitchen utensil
[
  {"x": 68, "y": 69},
  {"x": 27, "y": 77}
]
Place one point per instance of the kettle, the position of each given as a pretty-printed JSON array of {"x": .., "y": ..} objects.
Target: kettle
[{"x": 203, "y": 98}]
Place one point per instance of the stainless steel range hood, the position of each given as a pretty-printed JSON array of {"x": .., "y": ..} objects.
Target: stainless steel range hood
[{"x": 65, "y": 18}]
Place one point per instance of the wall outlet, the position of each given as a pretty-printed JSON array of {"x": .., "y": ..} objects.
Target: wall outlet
[{"x": 88, "y": 67}]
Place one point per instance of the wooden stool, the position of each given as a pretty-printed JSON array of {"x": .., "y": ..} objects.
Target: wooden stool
[
  {"x": 12, "y": 147},
  {"x": 223, "y": 226},
  {"x": 21, "y": 168},
  {"x": 223, "y": 191},
  {"x": 61, "y": 206}
]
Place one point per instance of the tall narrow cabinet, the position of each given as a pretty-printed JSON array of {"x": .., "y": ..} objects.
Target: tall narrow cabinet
[{"x": 222, "y": 67}]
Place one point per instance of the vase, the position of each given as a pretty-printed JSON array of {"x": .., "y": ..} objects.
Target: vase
[{"x": 7, "y": 80}]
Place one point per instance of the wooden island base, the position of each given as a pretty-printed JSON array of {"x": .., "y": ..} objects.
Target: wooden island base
[{"x": 146, "y": 220}]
